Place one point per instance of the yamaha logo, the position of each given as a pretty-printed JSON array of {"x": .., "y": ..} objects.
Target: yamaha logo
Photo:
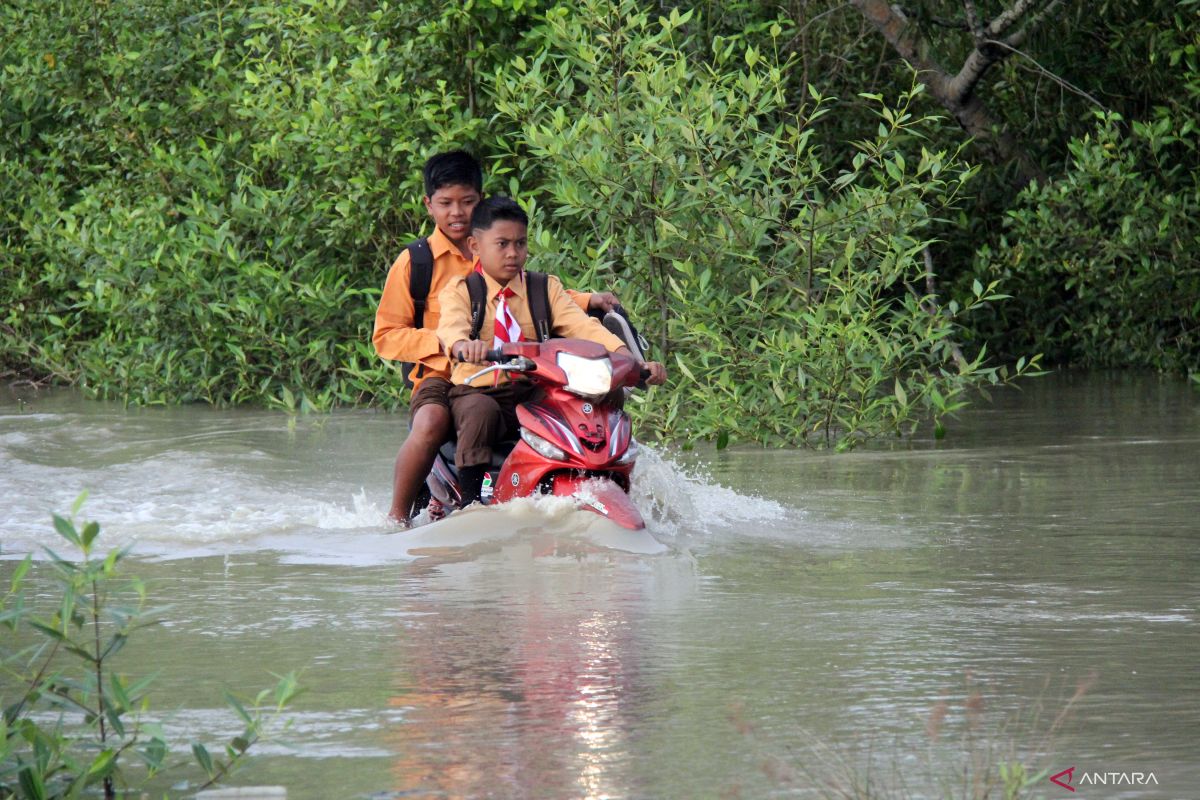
[
  {"x": 515, "y": 479},
  {"x": 587, "y": 408}
]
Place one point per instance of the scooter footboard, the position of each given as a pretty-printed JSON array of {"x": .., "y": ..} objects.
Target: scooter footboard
[{"x": 601, "y": 495}]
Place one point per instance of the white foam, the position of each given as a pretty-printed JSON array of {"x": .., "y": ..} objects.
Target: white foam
[{"x": 677, "y": 498}]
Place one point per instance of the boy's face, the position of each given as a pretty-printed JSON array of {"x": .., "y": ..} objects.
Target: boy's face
[
  {"x": 451, "y": 207},
  {"x": 501, "y": 249}
]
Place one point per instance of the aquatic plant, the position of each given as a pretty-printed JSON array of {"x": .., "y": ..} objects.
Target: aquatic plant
[{"x": 71, "y": 723}]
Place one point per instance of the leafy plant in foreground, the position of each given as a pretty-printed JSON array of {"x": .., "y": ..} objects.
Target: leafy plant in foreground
[{"x": 70, "y": 722}]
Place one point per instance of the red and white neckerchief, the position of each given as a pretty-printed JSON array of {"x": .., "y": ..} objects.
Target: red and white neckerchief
[{"x": 507, "y": 329}]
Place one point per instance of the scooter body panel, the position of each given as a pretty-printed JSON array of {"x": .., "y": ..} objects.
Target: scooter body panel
[{"x": 594, "y": 436}]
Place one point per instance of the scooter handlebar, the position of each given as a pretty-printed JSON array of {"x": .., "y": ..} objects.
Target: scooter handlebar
[{"x": 491, "y": 356}]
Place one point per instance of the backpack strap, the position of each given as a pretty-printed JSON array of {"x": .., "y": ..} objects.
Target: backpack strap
[
  {"x": 420, "y": 277},
  {"x": 539, "y": 303},
  {"x": 477, "y": 290}
]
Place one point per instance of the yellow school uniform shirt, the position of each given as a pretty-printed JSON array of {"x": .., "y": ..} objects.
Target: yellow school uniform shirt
[
  {"x": 395, "y": 338},
  {"x": 567, "y": 319}
]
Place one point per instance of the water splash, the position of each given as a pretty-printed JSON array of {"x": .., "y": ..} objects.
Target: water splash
[
  {"x": 242, "y": 491},
  {"x": 675, "y": 499}
]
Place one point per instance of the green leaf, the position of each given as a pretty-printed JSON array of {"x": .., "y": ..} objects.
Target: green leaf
[
  {"x": 238, "y": 708},
  {"x": 722, "y": 439},
  {"x": 119, "y": 692},
  {"x": 52, "y": 632},
  {"x": 79, "y": 501},
  {"x": 90, "y": 531},
  {"x": 19, "y": 573},
  {"x": 102, "y": 763},
  {"x": 154, "y": 753},
  {"x": 32, "y": 785},
  {"x": 203, "y": 758},
  {"x": 66, "y": 529}
]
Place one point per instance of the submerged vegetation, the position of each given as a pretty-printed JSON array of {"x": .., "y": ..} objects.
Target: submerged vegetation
[
  {"x": 198, "y": 201},
  {"x": 72, "y": 724}
]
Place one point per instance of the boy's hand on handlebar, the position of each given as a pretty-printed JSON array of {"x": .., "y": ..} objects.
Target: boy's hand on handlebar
[
  {"x": 474, "y": 352},
  {"x": 658, "y": 373},
  {"x": 603, "y": 301}
]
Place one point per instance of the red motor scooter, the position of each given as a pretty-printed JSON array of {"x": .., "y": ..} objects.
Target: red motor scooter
[{"x": 575, "y": 439}]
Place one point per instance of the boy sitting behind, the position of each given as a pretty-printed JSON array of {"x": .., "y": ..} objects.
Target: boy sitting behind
[
  {"x": 453, "y": 186},
  {"x": 483, "y": 415}
]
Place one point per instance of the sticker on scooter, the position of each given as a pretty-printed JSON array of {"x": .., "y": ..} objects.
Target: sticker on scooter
[
  {"x": 596, "y": 504},
  {"x": 486, "y": 490},
  {"x": 515, "y": 479}
]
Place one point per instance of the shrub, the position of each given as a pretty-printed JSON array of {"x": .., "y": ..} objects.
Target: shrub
[{"x": 790, "y": 298}]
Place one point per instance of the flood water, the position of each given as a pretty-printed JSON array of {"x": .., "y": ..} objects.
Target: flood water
[{"x": 903, "y": 617}]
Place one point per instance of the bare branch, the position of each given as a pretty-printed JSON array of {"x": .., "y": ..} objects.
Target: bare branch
[
  {"x": 804, "y": 29},
  {"x": 1018, "y": 38},
  {"x": 973, "y": 19},
  {"x": 904, "y": 39},
  {"x": 955, "y": 92},
  {"x": 1006, "y": 19},
  {"x": 962, "y": 85},
  {"x": 952, "y": 24},
  {"x": 1063, "y": 82}
]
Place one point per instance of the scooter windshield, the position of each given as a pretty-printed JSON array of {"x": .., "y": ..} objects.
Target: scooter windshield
[{"x": 587, "y": 377}]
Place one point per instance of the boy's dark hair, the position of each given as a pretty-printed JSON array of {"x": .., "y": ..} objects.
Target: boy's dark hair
[
  {"x": 497, "y": 207},
  {"x": 456, "y": 168}
]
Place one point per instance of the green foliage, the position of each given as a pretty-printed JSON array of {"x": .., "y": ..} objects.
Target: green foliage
[
  {"x": 70, "y": 722},
  {"x": 1103, "y": 260},
  {"x": 198, "y": 200},
  {"x": 790, "y": 296},
  {"x": 201, "y": 206}
]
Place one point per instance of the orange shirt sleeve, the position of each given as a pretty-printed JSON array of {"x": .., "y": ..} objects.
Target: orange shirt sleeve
[
  {"x": 580, "y": 299},
  {"x": 395, "y": 338},
  {"x": 455, "y": 323},
  {"x": 571, "y": 321}
]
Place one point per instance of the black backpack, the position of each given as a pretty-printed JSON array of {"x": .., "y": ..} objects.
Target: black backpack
[
  {"x": 420, "y": 277},
  {"x": 539, "y": 302}
]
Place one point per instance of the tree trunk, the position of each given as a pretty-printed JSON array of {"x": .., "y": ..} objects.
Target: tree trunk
[{"x": 956, "y": 91}]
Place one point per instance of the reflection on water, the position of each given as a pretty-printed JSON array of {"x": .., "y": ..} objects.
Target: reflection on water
[
  {"x": 520, "y": 686},
  {"x": 812, "y": 618}
]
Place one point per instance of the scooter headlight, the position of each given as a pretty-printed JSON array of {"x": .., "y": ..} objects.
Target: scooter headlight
[
  {"x": 541, "y": 446},
  {"x": 586, "y": 377},
  {"x": 631, "y": 453}
]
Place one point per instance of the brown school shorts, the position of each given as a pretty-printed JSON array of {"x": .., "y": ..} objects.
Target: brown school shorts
[{"x": 435, "y": 391}]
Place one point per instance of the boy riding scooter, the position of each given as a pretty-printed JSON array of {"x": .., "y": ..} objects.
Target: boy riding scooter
[
  {"x": 485, "y": 414},
  {"x": 408, "y": 313}
]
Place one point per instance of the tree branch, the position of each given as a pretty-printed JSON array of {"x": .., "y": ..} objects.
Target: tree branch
[
  {"x": 1005, "y": 19},
  {"x": 1018, "y": 38},
  {"x": 973, "y": 19},
  {"x": 1063, "y": 82},
  {"x": 957, "y": 92}
]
